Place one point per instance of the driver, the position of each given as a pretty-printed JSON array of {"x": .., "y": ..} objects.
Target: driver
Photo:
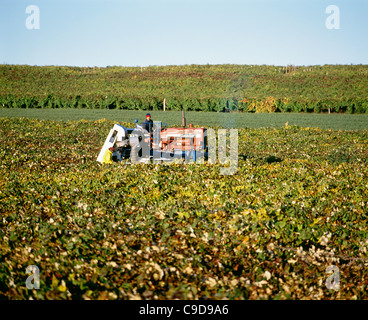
[{"x": 148, "y": 124}]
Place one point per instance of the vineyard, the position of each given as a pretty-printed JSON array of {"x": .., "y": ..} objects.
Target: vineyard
[
  {"x": 244, "y": 88},
  {"x": 296, "y": 206}
]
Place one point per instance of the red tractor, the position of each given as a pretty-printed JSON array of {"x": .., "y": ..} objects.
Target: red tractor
[{"x": 165, "y": 144}]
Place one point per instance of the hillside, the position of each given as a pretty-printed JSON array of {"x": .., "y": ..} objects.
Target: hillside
[{"x": 340, "y": 88}]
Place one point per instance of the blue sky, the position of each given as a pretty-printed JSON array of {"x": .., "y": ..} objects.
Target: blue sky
[{"x": 176, "y": 32}]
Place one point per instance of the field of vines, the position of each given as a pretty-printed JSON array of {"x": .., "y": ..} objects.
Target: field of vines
[
  {"x": 296, "y": 206},
  {"x": 244, "y": 88}
]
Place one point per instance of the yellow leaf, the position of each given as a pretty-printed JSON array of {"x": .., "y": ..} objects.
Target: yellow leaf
[
  {"x": 62, "y": 287},
  {"x": 315, "y": 221},
  {"x": 55, "y": 281}
]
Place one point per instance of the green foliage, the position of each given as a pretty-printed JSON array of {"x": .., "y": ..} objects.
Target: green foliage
[
  {"x": 297, "y": 204},
  {"x": 334, "y": 88}
]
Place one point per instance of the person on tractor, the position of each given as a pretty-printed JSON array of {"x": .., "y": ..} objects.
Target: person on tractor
[{"x": 148, "y": 124}]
